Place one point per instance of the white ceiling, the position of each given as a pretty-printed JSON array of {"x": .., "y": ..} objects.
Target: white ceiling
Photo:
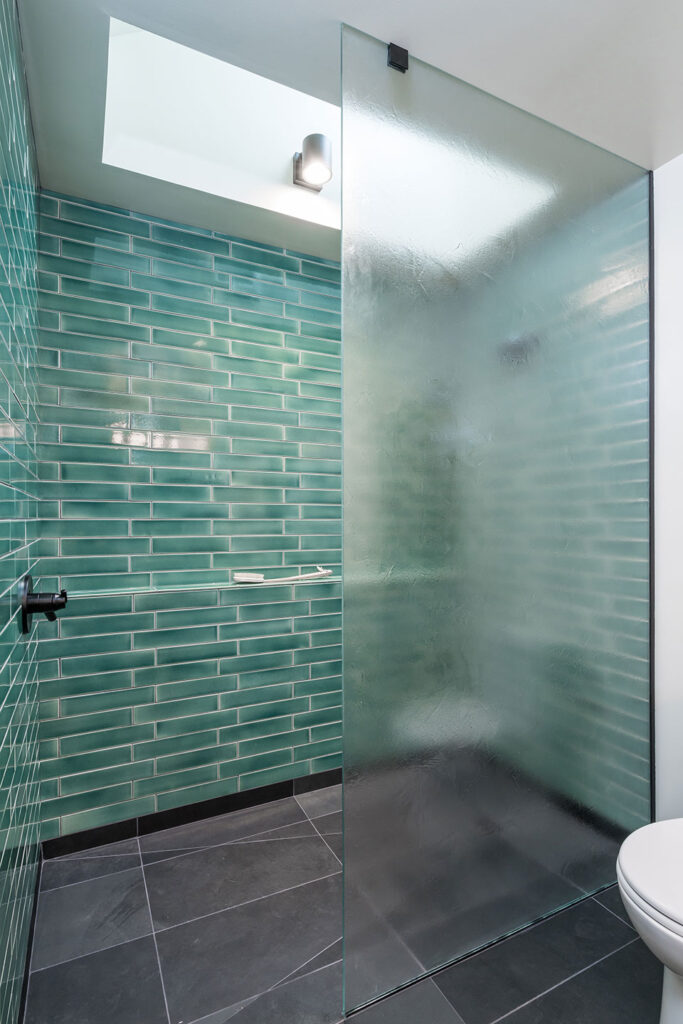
[{"x": 608, "y": 70}]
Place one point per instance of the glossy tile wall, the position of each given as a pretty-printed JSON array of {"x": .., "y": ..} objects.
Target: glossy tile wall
[
  {"x": 19, "y": 788},
  {"x": 190, "y": 390}
]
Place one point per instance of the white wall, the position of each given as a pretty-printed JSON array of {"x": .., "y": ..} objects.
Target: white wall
[{"x": 668, "y": 191}]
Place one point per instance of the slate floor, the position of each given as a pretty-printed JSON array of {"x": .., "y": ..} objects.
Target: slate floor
[{"x": 238, "y": 918}]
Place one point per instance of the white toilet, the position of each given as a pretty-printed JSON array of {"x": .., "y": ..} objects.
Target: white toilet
[{"x": 650, "y": 875}]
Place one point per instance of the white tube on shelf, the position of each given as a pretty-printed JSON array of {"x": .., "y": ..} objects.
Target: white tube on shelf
[{"x": 257, "y": 577}]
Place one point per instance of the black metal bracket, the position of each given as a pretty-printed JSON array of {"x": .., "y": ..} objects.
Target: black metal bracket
[
  {"x": 397, "y": 57},
  {"x": 32, "y": 604}
]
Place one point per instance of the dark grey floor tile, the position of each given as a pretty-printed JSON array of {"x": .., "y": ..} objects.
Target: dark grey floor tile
[
  {"x": 421, "y": 1003},
  {"x": 336, "y": 844},
  {"x": 300, "y": 830},
  {"x": 224, "y": 828},
  {"x": 497, "y": 980},
  {"x": 376, "y": 958},
  {"x": 115, "y": 986},
  {"x": 313, "y": 999},
  {"x": 321, "y": 801},
  {"x": 625, "y": 988},
  {"x": 201, "y": 883},
  {"x": 66, "y": 870},
  {"x": 88, "y": 916},
  {"x": 611, "y": 898},
  {"x": 231, "y": 956},
  {"x": 331, "y": 955},
  {"x": 120, "y": 849},
  {"x": 329, "y": 824}
]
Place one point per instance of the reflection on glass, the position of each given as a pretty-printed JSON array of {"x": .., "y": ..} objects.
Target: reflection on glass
[{"x": 496, "y": 517}]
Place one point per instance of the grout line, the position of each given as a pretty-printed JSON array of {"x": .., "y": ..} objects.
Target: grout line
[
  {"x": 311, "y": 958},
  {"x": 156, "y": 947},
  {"x": 230, "y": 842},
  {"x": 564, "y": 981},
  {"x": 92, "y": 952},
  {"x": 624, "y": 919},
  {"x": 338, "y": 859},
  {"x": 248, "y": 1000},
  {"x": 84, "y": 881},
  {"x": 246, "y": 903}
]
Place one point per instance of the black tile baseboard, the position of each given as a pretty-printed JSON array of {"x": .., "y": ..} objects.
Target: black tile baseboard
[{"x": 133, "y": 827}]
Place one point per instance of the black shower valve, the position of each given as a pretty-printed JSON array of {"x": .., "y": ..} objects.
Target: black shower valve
[{"x": 32, "y": 603}]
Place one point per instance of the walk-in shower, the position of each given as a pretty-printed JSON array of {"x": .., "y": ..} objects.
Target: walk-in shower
[{"x": 496, "y": 524}]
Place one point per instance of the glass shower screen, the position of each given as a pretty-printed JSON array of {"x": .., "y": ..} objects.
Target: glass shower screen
[{"x": 496, "y": 418}]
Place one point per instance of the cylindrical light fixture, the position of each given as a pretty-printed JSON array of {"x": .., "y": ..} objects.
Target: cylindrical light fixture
[{"x": 313, "y": 165}]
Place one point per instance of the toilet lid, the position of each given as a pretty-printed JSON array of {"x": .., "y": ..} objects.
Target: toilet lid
[{"x": 651, "y": 861}]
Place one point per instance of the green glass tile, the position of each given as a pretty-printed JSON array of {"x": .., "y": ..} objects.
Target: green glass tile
[
  {"x": 170, "y": 655},
  {"x": 327, "y": 732},
  {"x": 318, "y": 270},
  {"x": 107, "y": 328},
  {"x": 277, "y": 742},
  {"x": 101, "y": 218},
  {"x": 270, "y": 259},
  {"x": 106, "y": 815},
  {"x": 87, "y": 270},
  {"x": 105, "y": 292},
  {"x": 175, "y": 745},
  {"x": 320, "y": 300},
  {"x": 88, "y": 762},
  {"x": 254, "y": 286},
  {"x": 87, "y": 781},
  {"x": 273, "y": 708},
  {"x": 159, "y": 602},
  {"x": 172, "y": 286},
  {"x": 198, "y": 617},
  {"x": 319, "y": 691},
  {"x": 97, "y": 257},
  {"x": 195, "y": 758},
  {"x": 189, "y": 240},
  {"x": 173, "y": 637},
  {"x": 104, "y": 662},
  {"x": 271, "y": 776},
  {"x": 326, "y": 764},
  {"x": 197, "y": 687},
  {"x": 194, "y": 794},
  {"x": 83, "y": 233},
  {"x": 316, "y": 654},
  {"x": 172, "y": 253},
  {"x": 184, "y": 273},
  {"x": 175, "y": 780},
  {"x": 101, "y": 739},
  {"x": 61, "y": 727},
  {"x": 316, "y": 316},
  {"x": 83, "y": 801},
  {"x": 256, "y": 762},
  {"x": 261, "y": 273},
  {"x": 192, "y": 723},
  {"x": 170, "y": 321},
  {"x": 109, "y": 700},
  {"x": 321, "y": 748}
]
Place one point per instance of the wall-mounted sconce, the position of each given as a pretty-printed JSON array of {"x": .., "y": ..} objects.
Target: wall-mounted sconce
[{"x": 313, "y": 165}]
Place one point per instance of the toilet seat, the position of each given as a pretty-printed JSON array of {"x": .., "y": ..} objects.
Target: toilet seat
[
  {"x": 632, "y": 901},
  {"x": 650, "y": 869}
]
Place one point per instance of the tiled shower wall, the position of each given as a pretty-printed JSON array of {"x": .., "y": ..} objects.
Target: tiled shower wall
[
  {"x": 19, "y": 810},
  {"x": 190, "y": 427}
]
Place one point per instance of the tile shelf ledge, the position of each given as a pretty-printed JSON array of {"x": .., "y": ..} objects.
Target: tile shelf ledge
[{"x": 175, "y": 589}]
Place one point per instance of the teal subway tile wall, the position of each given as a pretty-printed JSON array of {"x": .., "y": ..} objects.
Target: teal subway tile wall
[
  {"x": 19, "y": 790},
  {"x": 190, "y": 389}
]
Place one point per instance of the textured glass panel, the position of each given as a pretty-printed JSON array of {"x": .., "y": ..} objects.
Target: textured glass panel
[{"x": 496, "y": 517}]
